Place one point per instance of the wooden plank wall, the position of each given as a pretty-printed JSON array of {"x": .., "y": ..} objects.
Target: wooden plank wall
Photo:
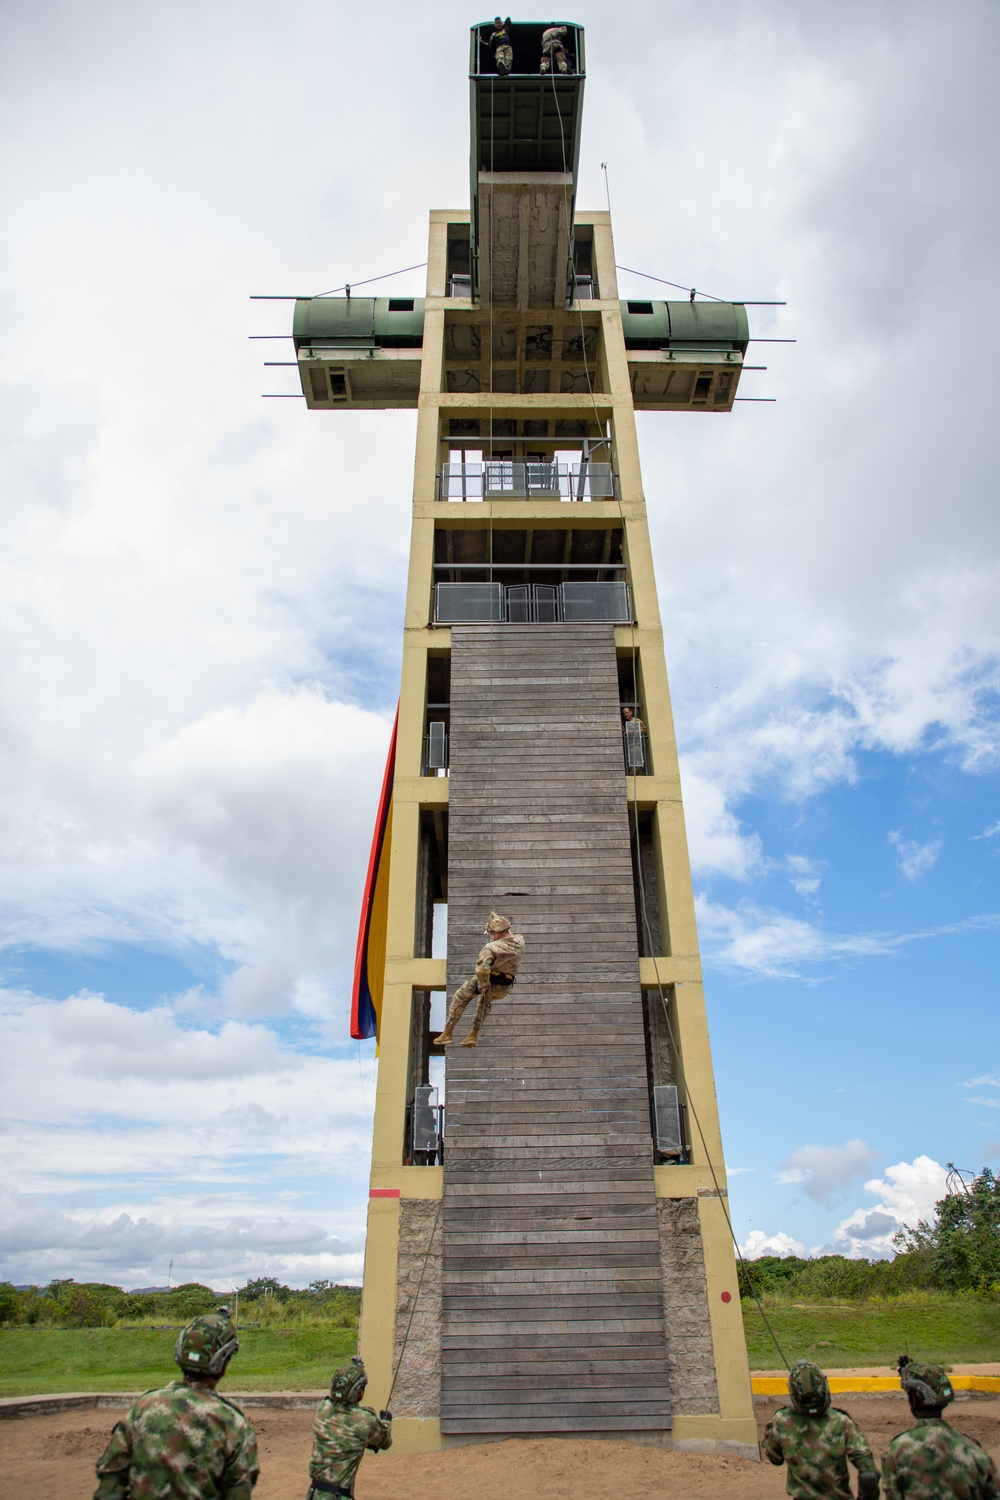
[{"x": 551, "y": 1283}]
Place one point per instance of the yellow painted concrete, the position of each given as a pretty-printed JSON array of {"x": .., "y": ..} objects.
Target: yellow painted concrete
[
  {"x": 777, "y": 1385},
  {"x": 712, "y": 1429},
  {"x": 378, "y": 1297},
  {"x": 416, "y": 1435}
]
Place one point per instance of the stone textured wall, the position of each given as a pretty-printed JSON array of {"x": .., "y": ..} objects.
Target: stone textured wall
[
  {"x": 417, "y": 1391},
  {"x": 690, "y": 1356}
]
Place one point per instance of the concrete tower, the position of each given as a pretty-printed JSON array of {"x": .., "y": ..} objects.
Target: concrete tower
[{"x": 558, "y": 1259}]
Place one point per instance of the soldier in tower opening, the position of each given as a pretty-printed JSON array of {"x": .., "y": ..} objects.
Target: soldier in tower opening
[
  {"x": 496, "y": 968},
  {"x": 553, "y": 49},
  {"x": 633, "y": 730},
  {"x": 342, "y": 1431},
  {"x": 503, "y": 52},
  {"x": 185, "y": 1441},
  {"x": 933, "y": 1459},
  {"x": 815, "y": 1440}
]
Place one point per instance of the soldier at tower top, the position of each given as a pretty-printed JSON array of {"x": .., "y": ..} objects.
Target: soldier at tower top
[
  {"x": 496, "y": 968},
  {"x": 815, "y": 1440},
  {"x": 503, "y": 52},
  {"x": 933, "y": 1459},
  {"x": 553, "y": 49}
]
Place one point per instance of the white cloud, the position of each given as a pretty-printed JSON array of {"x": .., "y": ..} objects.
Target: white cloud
[
  {"x": 915, "y": 859},
  {"x": 771, "y": 944},
  {"x": 906, "y": 1192},
  {"x": 111, "y": 1041},
  {"x": 987, "y": 1080},
  {"x": 988, "y": 833},
  {"x": 824, "y": 1173},
  {"x": 803, "y": 873},
  {"x": 989, "y": 1103},
  {"x": 757, "y": 1243},
  {"x": 717, "y": 842},
  {"x": 135, "y": 1250}
]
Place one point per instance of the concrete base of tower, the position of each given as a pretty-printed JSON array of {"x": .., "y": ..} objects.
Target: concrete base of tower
[
  {"x": 690, "y": 1434},
  {"x": 715, "y": 1434}
]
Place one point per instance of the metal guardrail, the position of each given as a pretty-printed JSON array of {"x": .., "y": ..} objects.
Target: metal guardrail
[
  {"x": 532, "y": 603},
  {"x": 511, "y": 479}
]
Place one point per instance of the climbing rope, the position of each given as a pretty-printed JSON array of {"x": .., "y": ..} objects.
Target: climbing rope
[{"x": 634, "y": 805}]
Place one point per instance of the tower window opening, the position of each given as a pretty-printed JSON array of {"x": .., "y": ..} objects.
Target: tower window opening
[
  {"x": 423, "y": 1140},
  {"x": 400, "y": 304},
  {"x": 646, "y": 880},
  {"x": 640, "y": 307},
  {"x": 667, "y": 1113}
]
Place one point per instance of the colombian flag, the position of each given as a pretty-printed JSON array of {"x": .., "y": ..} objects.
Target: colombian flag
[{"x": 369, "y": 964}]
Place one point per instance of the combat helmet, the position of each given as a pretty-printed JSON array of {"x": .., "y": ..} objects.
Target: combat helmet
[
  {"x": 348, "y": 1382},
  {"x": 928, "y": 1383},
  {"x": 206, "y": 1345},
  {"x": 809, "y": 1389},
  {"x": 496, "y": 924}
]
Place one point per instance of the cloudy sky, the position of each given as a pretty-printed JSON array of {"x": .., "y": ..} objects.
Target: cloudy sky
[{"x": 201, "y": 598}]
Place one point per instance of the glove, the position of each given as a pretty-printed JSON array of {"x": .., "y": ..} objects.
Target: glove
[
  {"x": 386, "y": 1416},
  {"x": 867, "y": 1487}
]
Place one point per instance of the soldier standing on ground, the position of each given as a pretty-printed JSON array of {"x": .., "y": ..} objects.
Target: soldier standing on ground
[
  {"x": 815, "y": 1440},
  {"x": 503, "y": 52},
  {"x": 932, "y": 1459},
  {"x": 185, "y": 1441},
  {"x": 342, "y": 1431},
  {"x": 553, "y": 49},
  {"x": 496, "y": 968}
]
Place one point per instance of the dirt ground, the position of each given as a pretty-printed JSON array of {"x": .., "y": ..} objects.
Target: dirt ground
[{"x": 52, "y": 1458}]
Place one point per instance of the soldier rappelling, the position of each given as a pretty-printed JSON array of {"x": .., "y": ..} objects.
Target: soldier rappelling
[
  {"x": 343, "y": 1431},
  {"x": 496, "y": 969}
]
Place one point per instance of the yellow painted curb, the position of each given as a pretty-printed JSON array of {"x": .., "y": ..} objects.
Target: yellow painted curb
[{"x": 775, "y": 1385}]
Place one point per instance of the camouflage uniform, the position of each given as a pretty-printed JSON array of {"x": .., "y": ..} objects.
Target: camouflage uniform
[
  {"x": 342, "y": 1431},
  {"x": 932, "y": 1459},
  {"x": 496, "y": 966},
  {"x": 815, "y": 1441},
  {"x": 184, "y": 1442},
  {"x": 503, "y": 52},
  {"x": 553, "y": 49}
]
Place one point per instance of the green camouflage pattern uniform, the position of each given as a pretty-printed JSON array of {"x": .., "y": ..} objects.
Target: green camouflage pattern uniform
[
  {"x": 342, "y": 1432},
  {"x": 183, "y": 1442},
  {"x": 932, "y": 1459},
  {"x": 815, "y": 1440}
]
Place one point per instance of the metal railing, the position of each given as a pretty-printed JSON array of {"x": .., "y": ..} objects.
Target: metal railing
[
  {"x": 425, "y": 1129},
  {"x": 435, "y": 748},
  {"x": 532, "y": 603},
  {"x": 511, "y": 479},
  {"x": 635, "y": 746}
]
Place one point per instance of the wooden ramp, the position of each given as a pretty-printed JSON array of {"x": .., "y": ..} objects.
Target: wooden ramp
[{"x": 552, "y": 1297}]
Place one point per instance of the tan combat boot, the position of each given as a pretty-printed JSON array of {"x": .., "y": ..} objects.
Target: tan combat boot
[{"x": 445, "y": 1037}]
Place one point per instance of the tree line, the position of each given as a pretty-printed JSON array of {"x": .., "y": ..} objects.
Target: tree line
[
  {"x": 957, "y": 1251},
  {"x": 68, "y": 1303}
]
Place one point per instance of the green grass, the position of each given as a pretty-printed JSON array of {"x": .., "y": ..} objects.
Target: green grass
[
  {"x": 36, "y": 1360},
  {"x": 927, "y": 1325}
]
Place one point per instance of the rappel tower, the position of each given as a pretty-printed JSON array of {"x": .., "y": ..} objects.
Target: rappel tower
[{"x": 548, "y": 1245}]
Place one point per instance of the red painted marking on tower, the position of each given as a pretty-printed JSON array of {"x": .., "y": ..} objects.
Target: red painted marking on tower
[
  {"x": 392, "y": 1193},
  {"x": 727, "y": 1296}
]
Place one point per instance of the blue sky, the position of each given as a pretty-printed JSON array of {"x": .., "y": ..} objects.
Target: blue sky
[{"x": 202, "y": 600}]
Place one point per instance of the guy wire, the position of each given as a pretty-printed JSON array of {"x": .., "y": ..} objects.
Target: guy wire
[{"x": 635, "y": 793}]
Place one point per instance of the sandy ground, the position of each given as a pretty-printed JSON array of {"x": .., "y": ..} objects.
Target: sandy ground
[{"x": 52, "y": 1457}]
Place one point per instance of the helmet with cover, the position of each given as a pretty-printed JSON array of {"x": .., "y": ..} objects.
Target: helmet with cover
[
  {"x": 206, "y": 1345},
  {"x": 347, "y": 1385},
  {"x": 928, "y": 1384},
  {"x": 496, "y": 925},
  {"x": 808, "y": 1388}
]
